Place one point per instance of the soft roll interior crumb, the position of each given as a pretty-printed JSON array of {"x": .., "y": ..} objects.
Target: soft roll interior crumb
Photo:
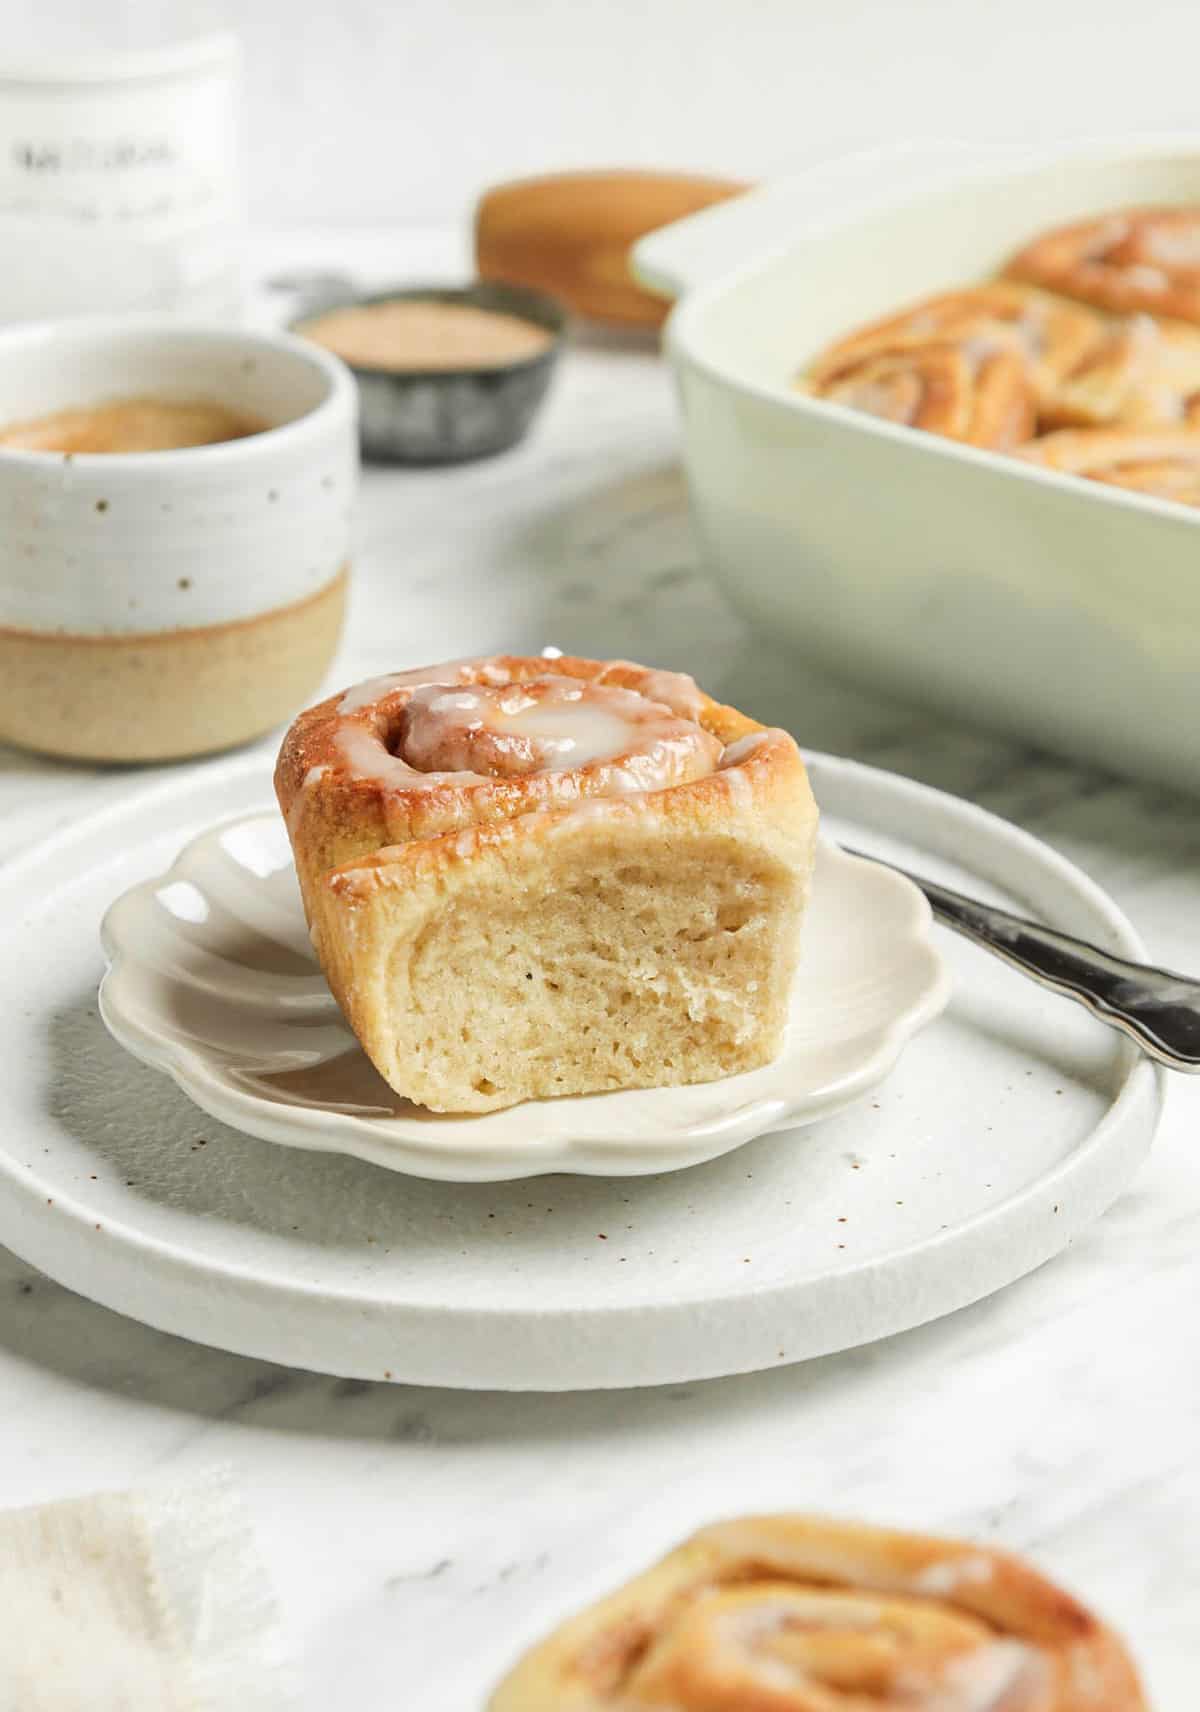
[{"x": 625, "y": 965}]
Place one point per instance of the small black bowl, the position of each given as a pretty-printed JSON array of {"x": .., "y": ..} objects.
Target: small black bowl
[{"x": 446, "y": 416}]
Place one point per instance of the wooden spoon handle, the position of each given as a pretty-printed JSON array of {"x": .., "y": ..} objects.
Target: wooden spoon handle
[{"x": 570, "y": 234}]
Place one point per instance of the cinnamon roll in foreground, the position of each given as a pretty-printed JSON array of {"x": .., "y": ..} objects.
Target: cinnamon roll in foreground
[
  {"x": 789, "y": 1614},
  {"x": 1132, "y": 259},
  {"x": 528, "y": 878},
  {"x": 1163, "y": 465}
]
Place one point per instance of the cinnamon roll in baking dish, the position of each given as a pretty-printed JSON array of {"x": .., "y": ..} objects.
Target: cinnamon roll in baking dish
[
  {"x": 1142, "y": 372},
  {"x": 528, "y": 878},
  {"x": 1162, "y": 464},
  {"x": 788, "y": 1614},
  {"x": 1008, "y": 365},
  {"x": 1053, "y": 337},
  {"x": 1133, "y": 259},
  {"x": 976, "y": 391}
]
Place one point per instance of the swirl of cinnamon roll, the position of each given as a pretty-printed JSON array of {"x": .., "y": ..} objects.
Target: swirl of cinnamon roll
[
  {"x": 1052, "y": 335},
  {"x": 1161, "y": 464},
  {"x": 977, "y": 391},
  {"x": 1136, "y": 259},
  {"x": 1144, "y": 372},
  {"x": 472, "y": 822},
  {"x": 439, "y": 749},
  {"x": 789, "y": 1614}
]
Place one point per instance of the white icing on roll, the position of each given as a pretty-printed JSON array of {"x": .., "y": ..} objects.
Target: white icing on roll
[
  {"x": 467, "y": 724},
  {"x": 743, "y": 747},
  {"x": 313, "y": 777},
  {"x": 366, "y": 757},
  {"x": 555, "y": 725},
  {"x": 738, "y": 786},
  {"x": 1000, "y": 1675},
  {"x": 952, "y": 1574},
  {"x": 676, "y": 690},
  {"x": 1147, "y": 277},
  {"x": 1003, "y": 1675},
  {"x": 372, "y": 690}
]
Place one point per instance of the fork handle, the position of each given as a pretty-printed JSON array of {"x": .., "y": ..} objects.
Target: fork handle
[{"x": 1158, "y": 1009}]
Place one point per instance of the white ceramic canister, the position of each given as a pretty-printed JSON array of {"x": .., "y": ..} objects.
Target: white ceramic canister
[
  {"x": 120, "y": 185},
  {"x": 161, "y": 604}
]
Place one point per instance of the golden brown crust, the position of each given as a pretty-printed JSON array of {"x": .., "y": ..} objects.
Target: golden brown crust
[
  {"x": 703, "y": 800},
  {"x": 800, "y": 1614},
  {"x": 1131, "y": 260},
  {"x": 1054, "y": 336},
  {"x": 1160, "y": 464},
  {"x": 339, "y": 816},
  {"x": 1144, "y": 372},
  {"x": 981, "y": 394}
]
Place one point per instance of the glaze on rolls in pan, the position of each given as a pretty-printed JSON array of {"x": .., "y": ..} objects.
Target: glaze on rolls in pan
[
  {"x": 1164, "y": 465},
  {"x": 529, "y": 877},
  {"x": 979, "y": 391},
  {"x": 1142, "y": 373},
  {"x": 1052, "y": 337},
  {"x": 1133, "y": 259},
  {"x": 790, "y": 1614},
  {"x": 1096, "y": 326}
]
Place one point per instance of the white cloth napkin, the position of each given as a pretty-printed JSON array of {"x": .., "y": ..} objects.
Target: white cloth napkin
[{"x": 151, "y": 1601}]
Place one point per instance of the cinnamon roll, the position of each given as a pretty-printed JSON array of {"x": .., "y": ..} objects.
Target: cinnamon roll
[
  {"x": 528, "y": 878},
  {"x": 789, "y": 1614},
  {"x": 980, "y": 391},
  {"x": 1054, "y": 336},
  {"x": 1143, "y": 372},
  {"x": 1145, "y": 259},
  {"x": 1165, "y": 465}
]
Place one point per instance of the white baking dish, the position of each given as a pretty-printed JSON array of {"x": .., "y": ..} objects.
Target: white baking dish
[{"x": 1059, "y": 610}]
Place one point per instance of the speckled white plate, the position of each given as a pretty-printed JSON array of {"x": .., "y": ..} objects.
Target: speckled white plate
[
  {"x": 212, "y": 979},
  {"x": 1003, "y": 1129}
]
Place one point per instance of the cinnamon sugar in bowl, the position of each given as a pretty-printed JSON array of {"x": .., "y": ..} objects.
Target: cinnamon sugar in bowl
[
  {"x": 444, "y": 373},
  {"x": 159, "y": 603},
  {"x": 407, "y": 335}
]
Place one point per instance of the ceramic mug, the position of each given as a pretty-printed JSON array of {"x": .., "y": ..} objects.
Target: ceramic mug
[{"x": 162, "y": 604}]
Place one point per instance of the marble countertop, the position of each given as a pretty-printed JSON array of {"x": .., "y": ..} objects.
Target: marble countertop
[{"x": 417, "y": 1537}]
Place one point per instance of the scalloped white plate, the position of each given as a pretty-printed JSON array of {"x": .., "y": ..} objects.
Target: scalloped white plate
[
  {"x": 1002, "y": 1132},
  {"x": 213, "y": 980}
]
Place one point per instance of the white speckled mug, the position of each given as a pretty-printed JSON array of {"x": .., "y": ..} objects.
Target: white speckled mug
[{"x": 161, "y": 604}]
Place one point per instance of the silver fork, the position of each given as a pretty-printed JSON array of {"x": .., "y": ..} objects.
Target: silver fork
[{"x": 1157, "y": 1008}]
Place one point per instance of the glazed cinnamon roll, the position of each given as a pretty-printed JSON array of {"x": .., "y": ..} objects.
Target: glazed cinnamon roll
[
  {"x": 1136, "y": 259},
  {"x": 978, "y": 391},
  {"x": 1143, "y": 372},
  {"x": 788, "y": 1614},
  {"x": 1053, "y": 336},
  {"x": 528, "y": 878},
  {"x": 1164, "y": 465}
]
